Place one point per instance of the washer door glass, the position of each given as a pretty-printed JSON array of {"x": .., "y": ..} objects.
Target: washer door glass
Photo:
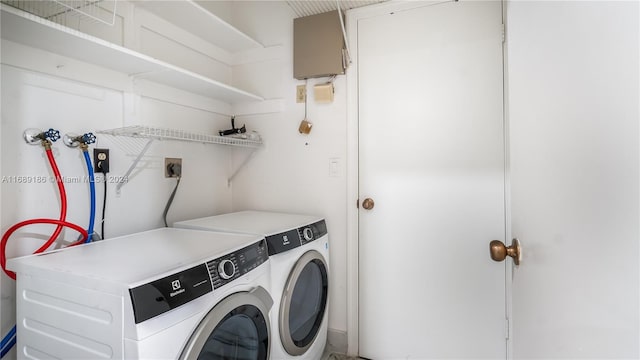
[
  {"x": 235, "y": 329},
  {"x": 301, "y": 314},
  {"x": 238, "y": 337}
]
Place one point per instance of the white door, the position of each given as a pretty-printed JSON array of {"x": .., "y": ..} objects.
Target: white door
[
  {"x": 574, "y": 129},
  {"x": 431, "y": 157}
]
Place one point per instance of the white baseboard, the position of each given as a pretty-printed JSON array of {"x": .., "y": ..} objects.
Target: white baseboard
[{"x": 337, "y": 341}]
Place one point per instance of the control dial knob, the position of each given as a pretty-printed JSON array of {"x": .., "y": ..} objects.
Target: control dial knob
[
  {"x": 308, "y": 234},
  {"x": 226, "y": 269}
]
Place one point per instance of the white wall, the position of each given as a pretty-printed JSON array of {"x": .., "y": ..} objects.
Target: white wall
[
  {"x": 573, "y": 97},
  {"x": 291, "y": 173}
]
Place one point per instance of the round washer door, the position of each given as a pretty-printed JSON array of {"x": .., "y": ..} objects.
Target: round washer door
[
  {"x": 237, "y": 328},
  {"x": 304, "y": 303}
]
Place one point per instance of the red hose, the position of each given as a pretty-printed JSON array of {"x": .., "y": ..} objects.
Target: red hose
[
  {"x": 61, "y": 222},
  {"x": 3, "y": 257},
  {"x": 63, "y": 202}
]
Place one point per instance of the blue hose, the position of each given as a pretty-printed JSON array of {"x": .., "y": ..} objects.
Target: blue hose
[
  {"x": 8, "y": 348},
  {"x": 92, "y": 187},
  {"x": 9, "y": 335},
  {"x": 8, "y": 342}
]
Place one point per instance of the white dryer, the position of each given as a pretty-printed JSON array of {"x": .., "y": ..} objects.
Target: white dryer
[
  {"x": 160, "y": 294},
  {"x": 299, "y": 254}
]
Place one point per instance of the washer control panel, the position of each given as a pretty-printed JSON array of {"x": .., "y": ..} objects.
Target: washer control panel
[
  {"x": 229, "y": 267},
  {"x": 159, "y": 296}
]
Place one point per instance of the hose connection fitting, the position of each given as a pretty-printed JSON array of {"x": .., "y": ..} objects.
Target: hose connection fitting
[
  {"x": 36, "y": 136},
  {"x": 83, "y": 141}
]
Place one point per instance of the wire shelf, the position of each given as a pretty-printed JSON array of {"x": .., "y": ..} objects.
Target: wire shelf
[
  {"x": 61, "y": 11},
  {"x": 180, "y": 135}
]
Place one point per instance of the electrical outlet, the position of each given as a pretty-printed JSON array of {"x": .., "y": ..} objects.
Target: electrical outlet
[
  {"x": 101, "y": 160},
  {"x": 301, "y": 93},
  {"x": 172, "y": 167}
]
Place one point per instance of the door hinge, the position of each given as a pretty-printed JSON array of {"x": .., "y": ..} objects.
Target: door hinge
[
  {"x": 506, "y": 329},
  {"x": 503, "y": 33}
]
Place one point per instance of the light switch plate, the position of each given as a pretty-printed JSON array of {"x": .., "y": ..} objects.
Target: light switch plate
[{"x": 334, "y": 167}]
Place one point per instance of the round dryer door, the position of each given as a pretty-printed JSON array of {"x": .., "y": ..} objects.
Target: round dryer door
[
  {"x": 304, "y": 303},
  {"x": 237, "y": 328}
]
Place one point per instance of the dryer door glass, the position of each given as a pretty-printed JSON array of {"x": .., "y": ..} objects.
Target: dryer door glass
[{"x": 302, "y": 313}]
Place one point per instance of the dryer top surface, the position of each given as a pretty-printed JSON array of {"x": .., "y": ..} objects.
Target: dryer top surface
[{"x": 252, "y": 222}]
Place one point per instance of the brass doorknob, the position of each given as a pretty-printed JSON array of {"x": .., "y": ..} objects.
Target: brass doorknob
[
  {"x": 499, "y": 251},
  {"x": 368, "y": 204}
]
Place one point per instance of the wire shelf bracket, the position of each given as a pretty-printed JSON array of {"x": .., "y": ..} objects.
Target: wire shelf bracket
[
  {"x": 133, "y": 165},
  {"x": 245, "y": 162}
]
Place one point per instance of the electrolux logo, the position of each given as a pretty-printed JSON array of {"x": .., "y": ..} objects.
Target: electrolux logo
[
  {"x": 285, "y": 240},
  {"x": 177, "y": 288},
  {"x": 175, "y": 285}
]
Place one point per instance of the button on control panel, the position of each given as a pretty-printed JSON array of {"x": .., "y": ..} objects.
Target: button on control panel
[
  {"x": 226, "y": 269},
  {"x": 307, "y": 233}
]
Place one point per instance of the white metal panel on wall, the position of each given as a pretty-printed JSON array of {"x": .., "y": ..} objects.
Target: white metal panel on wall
[{"x": 573, "y": 113}]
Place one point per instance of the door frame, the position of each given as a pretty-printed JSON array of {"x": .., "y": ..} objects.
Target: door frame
[{"x": 352, "y": 18}]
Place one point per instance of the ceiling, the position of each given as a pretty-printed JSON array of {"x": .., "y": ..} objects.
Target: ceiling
[{"x": 311, "y": 7}]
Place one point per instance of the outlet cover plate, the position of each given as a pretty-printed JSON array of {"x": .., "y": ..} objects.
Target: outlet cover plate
[
  {"x": 168, "y": 161},
  {"x": 301, "y": 93},
  {"x": 101, "y": 160}
]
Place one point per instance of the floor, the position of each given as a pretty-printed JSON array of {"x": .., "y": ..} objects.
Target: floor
[
  {"x": 334, "y": 356},
  {"x": 331, "y": 354}
]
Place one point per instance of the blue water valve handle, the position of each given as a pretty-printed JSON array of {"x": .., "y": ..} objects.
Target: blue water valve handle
[
  {"x": 88, "y": 138},
  {"x": 52, "y": 134}
]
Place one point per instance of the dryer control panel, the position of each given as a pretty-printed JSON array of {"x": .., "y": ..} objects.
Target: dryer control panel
[
  {"x": 291, "y": 239},
  {"x": 159, "y": 296},
  {"x": 312, "y": 232}
]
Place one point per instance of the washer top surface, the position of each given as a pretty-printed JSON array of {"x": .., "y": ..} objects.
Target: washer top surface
[
  {"x": 133, "y": 258},
  {"x": 255, "y": 222}
]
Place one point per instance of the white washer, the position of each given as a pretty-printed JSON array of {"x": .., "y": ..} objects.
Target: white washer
[
  {"x": 299, "y": 254},
  {"x": 160, "y": 294}
]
